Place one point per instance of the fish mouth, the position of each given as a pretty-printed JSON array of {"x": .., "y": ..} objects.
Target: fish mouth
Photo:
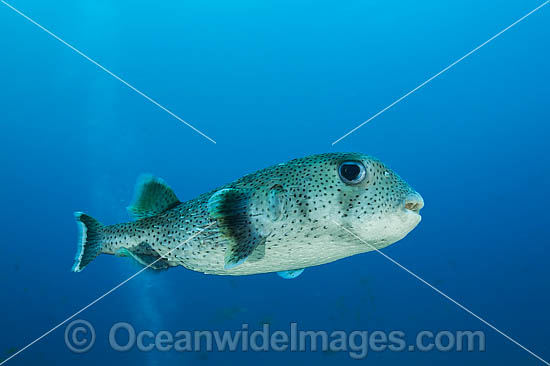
[{"x": 413, "y": 203}]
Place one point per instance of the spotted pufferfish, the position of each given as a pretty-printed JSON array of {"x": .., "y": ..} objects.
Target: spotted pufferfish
[{"x": 306, "y": 212}]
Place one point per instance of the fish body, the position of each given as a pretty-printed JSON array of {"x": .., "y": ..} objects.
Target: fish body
[{"x": 280, "y": 219}]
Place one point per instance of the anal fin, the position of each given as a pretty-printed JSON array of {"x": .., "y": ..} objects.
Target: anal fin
[{"x": 149, "y": 260}]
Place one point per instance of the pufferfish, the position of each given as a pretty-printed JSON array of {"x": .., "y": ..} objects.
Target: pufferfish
[{"x": 280, "y": 219}]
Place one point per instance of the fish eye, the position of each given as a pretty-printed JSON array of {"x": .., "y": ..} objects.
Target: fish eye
[{"x": 352, "y": 172}]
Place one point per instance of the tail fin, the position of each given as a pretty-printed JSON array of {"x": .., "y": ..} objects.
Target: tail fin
[{"x": 90, "y": 240}]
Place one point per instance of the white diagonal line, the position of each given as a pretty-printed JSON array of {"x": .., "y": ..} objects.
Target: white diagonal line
[
  {"x": 110, "y": 73},
  {"x": 441, "y": 72},
  {"x": 104, "y": 295},
  {"x": 446, "y": 296}
]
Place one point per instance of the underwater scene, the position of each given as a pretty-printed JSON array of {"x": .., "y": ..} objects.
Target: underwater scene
[{"x": 275, "y": 182}]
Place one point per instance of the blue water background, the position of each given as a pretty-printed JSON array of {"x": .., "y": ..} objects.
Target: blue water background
[{"x": 271, "y": 81}]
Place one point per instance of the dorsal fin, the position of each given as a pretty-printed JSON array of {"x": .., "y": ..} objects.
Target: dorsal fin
[{"x": 152, "y": 196}]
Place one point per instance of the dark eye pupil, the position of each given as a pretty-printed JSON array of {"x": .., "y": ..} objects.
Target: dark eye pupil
[{"x": 350, "y": 171}]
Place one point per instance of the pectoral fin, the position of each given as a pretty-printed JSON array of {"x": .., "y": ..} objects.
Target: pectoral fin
[
  {"x": 229, "y": 207},
  {"x": 258, "y": 253},
  {"x": 288, "y": 275},
  {"x": 276, "y": 202}
]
